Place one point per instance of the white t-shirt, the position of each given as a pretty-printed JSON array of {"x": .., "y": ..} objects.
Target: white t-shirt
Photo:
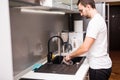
[{"x": 97, "y": 55}]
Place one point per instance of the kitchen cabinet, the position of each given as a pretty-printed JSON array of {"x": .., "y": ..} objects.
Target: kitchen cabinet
[
  {"x": 63, "y": 4},
  {"x": 67, "y": 6},
  {"x": 73, "y": 5}
]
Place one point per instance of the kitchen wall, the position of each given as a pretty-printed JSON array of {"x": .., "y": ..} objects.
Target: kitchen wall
[{"x": 30, "y": 33}]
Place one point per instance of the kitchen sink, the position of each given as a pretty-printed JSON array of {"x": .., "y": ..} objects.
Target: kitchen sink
[
  {"x": 59, "y": 68},
  {"x": 58, "y": 60},
  {"x": 29, "y": 79}
]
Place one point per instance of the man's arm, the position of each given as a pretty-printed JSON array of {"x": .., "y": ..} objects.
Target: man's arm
[{"x": 88, "y": 42}]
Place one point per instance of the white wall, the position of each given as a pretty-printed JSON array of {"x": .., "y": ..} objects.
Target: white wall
[{"x": 6, "y": 72}]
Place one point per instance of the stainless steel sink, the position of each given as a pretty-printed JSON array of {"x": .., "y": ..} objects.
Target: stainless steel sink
[{"x": 57, "y": 67}]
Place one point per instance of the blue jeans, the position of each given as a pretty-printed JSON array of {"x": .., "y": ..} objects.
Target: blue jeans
[{"x": 99, "y": 74}]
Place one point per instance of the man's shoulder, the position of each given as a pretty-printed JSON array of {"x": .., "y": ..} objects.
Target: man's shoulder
[{"x": 97, "y": 18}]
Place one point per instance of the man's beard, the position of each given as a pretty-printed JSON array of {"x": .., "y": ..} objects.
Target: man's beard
[{"x": 87, "y": 17}]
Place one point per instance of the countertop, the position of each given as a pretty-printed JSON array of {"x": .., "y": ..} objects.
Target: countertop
[{"x": 80, "y": 74}]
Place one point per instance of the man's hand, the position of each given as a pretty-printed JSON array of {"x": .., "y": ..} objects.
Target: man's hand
[{"x": 67, "y": 58}]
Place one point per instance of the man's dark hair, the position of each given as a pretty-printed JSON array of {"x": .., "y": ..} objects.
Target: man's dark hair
[{"x": 86, "y": 2}]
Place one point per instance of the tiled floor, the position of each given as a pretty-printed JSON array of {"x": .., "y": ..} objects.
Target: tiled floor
[{"x": 115, "y": 56}]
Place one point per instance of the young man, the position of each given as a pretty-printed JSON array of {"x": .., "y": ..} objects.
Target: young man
[{"x": 95, "y": 43}]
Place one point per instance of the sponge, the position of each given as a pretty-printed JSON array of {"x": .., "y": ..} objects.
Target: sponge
[{"x": 36, "y": 66}]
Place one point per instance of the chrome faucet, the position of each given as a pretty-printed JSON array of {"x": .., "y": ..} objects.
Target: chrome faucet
[
  {"x": 67, "y": 47},
  {"x": 49, "y": 56}
]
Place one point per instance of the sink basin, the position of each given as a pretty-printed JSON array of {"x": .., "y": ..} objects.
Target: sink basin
[
  {"x": 58, "y": 68},
  {"x": 29, "y": 79},
  {"x": 58, "y": 60}
]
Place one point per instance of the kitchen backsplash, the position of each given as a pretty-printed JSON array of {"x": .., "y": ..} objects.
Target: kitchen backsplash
[{"x": 30, "y": 33}]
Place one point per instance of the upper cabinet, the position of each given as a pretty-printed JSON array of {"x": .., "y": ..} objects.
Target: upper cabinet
[{"x": 67, "y": 6}]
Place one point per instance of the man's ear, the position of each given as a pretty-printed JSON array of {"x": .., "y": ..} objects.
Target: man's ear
[{"x": 88, "y": 6}]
